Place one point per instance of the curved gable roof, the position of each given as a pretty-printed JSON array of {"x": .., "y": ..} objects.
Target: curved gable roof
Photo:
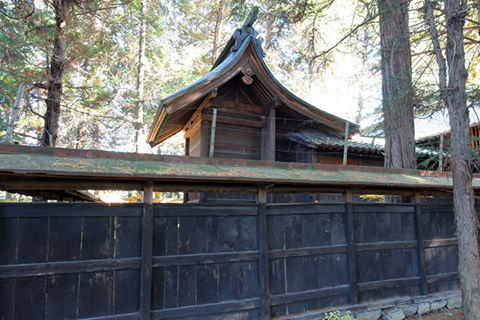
[{"x": 243, "y": 48}]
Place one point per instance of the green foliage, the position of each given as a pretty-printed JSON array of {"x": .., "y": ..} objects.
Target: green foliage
[
  {"x": 337, "y": 315},
  {"x": 99, "y": 99}
]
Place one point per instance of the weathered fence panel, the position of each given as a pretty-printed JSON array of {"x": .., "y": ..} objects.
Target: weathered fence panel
[
  {"x": 68, "y": 261},
  {"x": 440, "y": 243},
  {"x": 74, "y": 261},
  {"x": 301, "y": 238},
  {"x": 385, "y": 246},
  {"x": 205, "y": 262}
]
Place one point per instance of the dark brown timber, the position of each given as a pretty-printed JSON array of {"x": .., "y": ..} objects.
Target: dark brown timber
[
  {"x": 263, "y": 264},
  {"x": 420, "y": 245},
  {"x": 350, "y": 240},
  {"x": 147, "y": 242}
]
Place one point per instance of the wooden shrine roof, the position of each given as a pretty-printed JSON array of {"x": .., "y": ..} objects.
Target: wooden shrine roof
[{"x": 242, "y": 54}]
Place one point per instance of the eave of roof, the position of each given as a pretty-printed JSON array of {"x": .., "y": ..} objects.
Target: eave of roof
[
  {"x": 434, "y": 136},
  {"x": 353, "y": 127},
  {"x": 160, "y": 121}
]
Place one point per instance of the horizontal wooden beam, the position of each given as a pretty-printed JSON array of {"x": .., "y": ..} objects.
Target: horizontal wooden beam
[
  {"x": 434, "y": 243},
  {"x": 204, "y": 258},
  {"x": 121, "y": 316},
  {"x": 19, "y": 183},
  {"x": 44, "y": 210},
  {"x": 51, "y": 268},
  {"x": 206, "y": 309},
  {"x": 386, "y": 245},
  {"x": 370, "y": 285},
  {"x": 300, "y": 209},
  {"x": 217, "y": 210},
  {"x": 309, "y": 295},
  {"x": 434, "y": 278},
  {"x": 308, "y": 251},
  {"x": 384, "y": 208}
]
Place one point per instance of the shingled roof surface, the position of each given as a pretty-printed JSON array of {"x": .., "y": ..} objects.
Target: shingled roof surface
[{"x": 321, "y": 140}]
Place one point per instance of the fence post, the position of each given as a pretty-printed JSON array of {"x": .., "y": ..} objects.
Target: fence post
[
  {"x": 147, "y": 251},
  {"x": 350, "y": 241},
  {"x": 420, "y": 246},
  {"x": 264, "y": 270}
]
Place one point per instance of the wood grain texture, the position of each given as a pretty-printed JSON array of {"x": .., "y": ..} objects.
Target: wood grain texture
[{"x": 218, "y": 261}]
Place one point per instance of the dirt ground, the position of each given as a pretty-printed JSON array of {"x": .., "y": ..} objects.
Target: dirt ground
[{"x": 445, "y": 315}]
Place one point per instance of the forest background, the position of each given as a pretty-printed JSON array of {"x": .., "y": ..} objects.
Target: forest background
[
  {"x": 327, "y": 52},
  {"x": 91, "y": 74}
]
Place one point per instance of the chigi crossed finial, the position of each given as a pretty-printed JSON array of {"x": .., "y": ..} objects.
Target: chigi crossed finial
[{"x": 247, "y": 30}]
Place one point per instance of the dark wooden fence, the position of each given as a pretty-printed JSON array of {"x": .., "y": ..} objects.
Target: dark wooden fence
[{"x": 69, "y": 261}]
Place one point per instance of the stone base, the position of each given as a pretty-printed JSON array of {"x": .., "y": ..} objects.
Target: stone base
[{"x": 391, "y": 309}]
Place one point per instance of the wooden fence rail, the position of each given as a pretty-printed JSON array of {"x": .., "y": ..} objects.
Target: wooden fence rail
[{"x": 257, "y": 261}]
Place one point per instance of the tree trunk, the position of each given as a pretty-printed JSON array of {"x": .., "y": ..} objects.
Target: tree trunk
[
  {"x": 360, "y": 104},
  {"x": 218, "y": 28},
  {"x": 55, "y": 75},
  {"x": 14, "y": 113},
  {"x": 453, "y": 95},
  {"x": 463, "y": 196},
  {"x": 397, "y": 84},
  {"x": 139, "y": 134}
]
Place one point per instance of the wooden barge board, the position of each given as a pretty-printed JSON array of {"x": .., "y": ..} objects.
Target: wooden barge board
[{"x": 92, "y": 165}]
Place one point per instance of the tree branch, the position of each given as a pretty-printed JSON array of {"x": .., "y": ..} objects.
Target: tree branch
[
  {"x": 36, "y": 113},
  {"x": 346, "y": 36},
  {"x": 430, "y": 20}
]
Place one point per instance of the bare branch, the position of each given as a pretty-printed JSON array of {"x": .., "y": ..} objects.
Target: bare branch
[
  {"x": 26, "y": 135},
  {"x": 30, "y": 13},
  {"x": 36, "y": 113},
  {"x": 40, "y": 85}
]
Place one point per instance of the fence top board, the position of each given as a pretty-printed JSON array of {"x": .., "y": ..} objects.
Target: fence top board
[{"x": 90, "y": 165}]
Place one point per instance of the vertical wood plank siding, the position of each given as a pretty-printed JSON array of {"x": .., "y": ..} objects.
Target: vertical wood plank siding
[{"x": 194, "y": 261}]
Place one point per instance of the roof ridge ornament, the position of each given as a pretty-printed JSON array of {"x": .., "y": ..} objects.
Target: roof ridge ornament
[{"x": 247, "y": 30}]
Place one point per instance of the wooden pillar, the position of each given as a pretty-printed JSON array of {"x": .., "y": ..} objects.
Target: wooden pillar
[
  {"x": 268, "y": 136},
  {"x": 420, "y": 245},
  {"x": 263, "y": 262},
  {"x": 212, "y": 134},
  {"x": 147, "y": 251},
  {"x": 350, "y": 241},
  {"x": 345, "y": 144},
  {"x": 440, "y": 155}
]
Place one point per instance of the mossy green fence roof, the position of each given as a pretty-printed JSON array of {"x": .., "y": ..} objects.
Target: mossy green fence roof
[{"x": 85, "y": 165}]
